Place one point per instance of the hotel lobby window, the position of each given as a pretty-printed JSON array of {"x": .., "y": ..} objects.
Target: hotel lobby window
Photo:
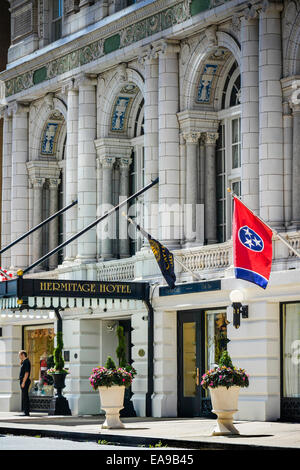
[{"x": 39, "y": 344}]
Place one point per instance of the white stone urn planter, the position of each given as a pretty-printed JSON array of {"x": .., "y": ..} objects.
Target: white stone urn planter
[
  {"x": 225, "y": 405},
  {"x": 112, "y": 401}
]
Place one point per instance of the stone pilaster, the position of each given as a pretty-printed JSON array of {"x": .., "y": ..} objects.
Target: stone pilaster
[
  {"x": 169, "y": 155},
  {"x": 191, "y": 198},
  {"x": 124, "y": 246},
  {"x": 53, "y": 225},
  {"x": 19, "y": 186},
  {"x": 71, "y": 190},
  {"x": 287, "y": 161},
  {"x": 37, "y": 207},
  {"x": 250, "y": 109},
  {"x": 151, "y": 141},
  {"x": 296, "y": 168},
  {"x": 107, "y": 200},
  {"x": 87, "y": 176},
  {"x": 210, "y": 205},
  {"x": 164, "y": 401},
  {"x": 270, "y": 114},
  {"x": 6, "y": 187}
]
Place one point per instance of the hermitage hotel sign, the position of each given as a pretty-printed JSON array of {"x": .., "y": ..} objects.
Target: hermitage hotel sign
[{"x": 96, "y": 289}]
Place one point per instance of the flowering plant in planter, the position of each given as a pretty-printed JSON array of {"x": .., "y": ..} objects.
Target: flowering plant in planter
[
  {"x": 53, "y": 371},
  {"x": 225, "y": 375},
  {"x": 111, "y": 375}
]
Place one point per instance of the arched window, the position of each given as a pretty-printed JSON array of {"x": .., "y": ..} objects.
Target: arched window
[{"x": 228, "y": 153}]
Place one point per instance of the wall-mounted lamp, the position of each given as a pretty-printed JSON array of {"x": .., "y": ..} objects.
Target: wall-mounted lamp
[
  {"x": 111, "y": 326},
  {"x": 237, "y": 297}
]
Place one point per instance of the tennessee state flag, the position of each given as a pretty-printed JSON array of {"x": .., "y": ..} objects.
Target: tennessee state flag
[{"x": 252, "y": 246}]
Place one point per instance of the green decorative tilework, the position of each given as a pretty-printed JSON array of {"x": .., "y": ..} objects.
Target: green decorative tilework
[
  {"x": 147, "y": 27},
  {"x": 199, "y": 5},
  {"x": 112, "y": 44},
  {"x": 39, "y": 75}
]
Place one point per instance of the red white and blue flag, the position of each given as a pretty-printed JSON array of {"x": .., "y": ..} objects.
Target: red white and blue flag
[{"x": 252, "y": 246}]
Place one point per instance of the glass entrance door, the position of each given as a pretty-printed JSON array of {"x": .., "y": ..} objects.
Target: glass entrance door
[
  {"x": 202, "y": 336},
  {"x": 290, "y": 362}
]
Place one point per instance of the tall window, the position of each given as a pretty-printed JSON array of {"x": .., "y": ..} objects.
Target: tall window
[
  {"x": 228, "y": 153},
  {"x": 228, "y": 164},
  {"x": 137, "y": 181},
  {"x": 56, "y": 19}
]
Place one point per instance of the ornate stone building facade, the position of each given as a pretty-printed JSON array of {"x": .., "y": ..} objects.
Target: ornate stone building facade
[{"x": 103, "y": 96}]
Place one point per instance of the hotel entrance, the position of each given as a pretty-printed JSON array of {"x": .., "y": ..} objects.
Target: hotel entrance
[{"x": 202, "y": 337}]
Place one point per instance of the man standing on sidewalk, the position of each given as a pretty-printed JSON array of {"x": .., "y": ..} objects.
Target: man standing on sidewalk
[{"x": 24, "y": 380}]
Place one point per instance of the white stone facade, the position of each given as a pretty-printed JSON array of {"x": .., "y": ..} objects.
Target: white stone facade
[{"x": 204, "y": 100}]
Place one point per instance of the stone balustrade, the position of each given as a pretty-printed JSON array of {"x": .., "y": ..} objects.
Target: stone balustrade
[
  {"x": 207, "y": 259},
  {"x": 116, "y": 270}
]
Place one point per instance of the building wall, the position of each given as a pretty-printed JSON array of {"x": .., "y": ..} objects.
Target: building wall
[{"x": 89, "y": 85}]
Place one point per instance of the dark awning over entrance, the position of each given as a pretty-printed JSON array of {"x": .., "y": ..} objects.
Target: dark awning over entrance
[{"x": 55, "y": 293}]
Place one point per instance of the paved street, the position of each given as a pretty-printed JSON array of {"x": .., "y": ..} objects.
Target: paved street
[
  {"x": 8, "y": 442},
  {"x": 175, "y": 432}
]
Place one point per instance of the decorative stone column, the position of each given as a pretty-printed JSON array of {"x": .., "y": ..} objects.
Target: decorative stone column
[
  {"x": 107, "y": 195},
  {"x": 151, "y": 141},
  {"x": 191, "y": 199},
  {"x": 99, "y": 204},
  {"x": 124, "y": 245},
  {"x": 210, "y": 201},
  {"x": 87, "y": 176},
  {"x": 37, "y": 207},
  {"x": 6, "y": 187},
  {"x": 19, "y": 186},
  {"x": 169, "y": 155},
  {"x": 270, "y": 114},
  {"x": 202, "y": 169},
  {"x": 71, "y": 190},
  {"x": 53, "y": 225},
  {"x": 250, "y": 109},
  {"x": 296, "y": 168},
  {"x": 287, "y": 161}
]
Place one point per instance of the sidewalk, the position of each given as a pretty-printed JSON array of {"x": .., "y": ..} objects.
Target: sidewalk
[{"x": 193, "y": 433}]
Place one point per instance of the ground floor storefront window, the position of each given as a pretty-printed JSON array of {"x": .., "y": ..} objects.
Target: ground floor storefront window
[
  {"x": 39, "y": 344},
  {"x": 290, "y": 361}
]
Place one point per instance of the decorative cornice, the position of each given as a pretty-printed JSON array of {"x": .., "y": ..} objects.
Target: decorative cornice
[{"x": 141, "y": 24}]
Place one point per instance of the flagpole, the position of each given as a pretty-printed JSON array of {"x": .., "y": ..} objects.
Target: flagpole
[
  {"x": 273, "y": 230},
  {"x": 175, "y": 258}
]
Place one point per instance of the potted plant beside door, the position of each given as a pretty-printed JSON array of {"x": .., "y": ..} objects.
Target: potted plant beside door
[
  {"x": 59, "y": 404},
  {"x": 224, "y": 383},
  {"x": 111, "y": 383}
]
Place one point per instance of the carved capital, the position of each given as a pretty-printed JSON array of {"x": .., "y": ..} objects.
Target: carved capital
[
  {"x": 37, "y": 183},
  {"x": 192, "y": 137},
  {"x": 124, "y": 163},
  {"x": 85, "y": 80},
  {"x": 211, "y": 138},
  {"x": 165, "y": 47},
  {"x": 19, "y": 108},
  {"x": 250, "y": 12},
  {"x": 54, "y": 183},
  {"x": 148, "y": 54},
  {"x": 272, "y": 5},
  {"x": 211, "y": 35},
  {"x": 108, "y": 162},
  {"x": 69, "y": 86}
]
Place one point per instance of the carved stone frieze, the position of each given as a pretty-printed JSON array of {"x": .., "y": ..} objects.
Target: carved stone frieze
[{"x": 141, "y": 24}]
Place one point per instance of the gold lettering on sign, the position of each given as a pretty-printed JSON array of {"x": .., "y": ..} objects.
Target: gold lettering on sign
[{"x": 93, "y": 288}]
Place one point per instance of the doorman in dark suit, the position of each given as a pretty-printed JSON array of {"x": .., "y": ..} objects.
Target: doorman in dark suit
[{"x": 25, "y": 381}]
